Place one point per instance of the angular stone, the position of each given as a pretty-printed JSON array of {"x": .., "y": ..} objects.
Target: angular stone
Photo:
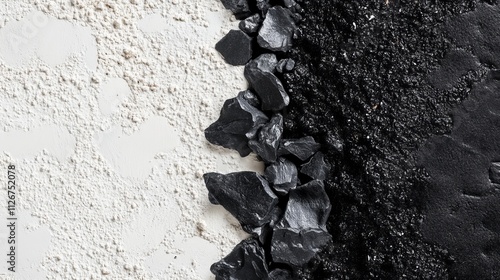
[
  {"x": 495, "y": 172},
  {"x": 268, "y": 139},
  {"x": 236, "y": 142},
  {"x": 246, "y": 195},
  {"x": 297, "y": 247},
  {"x": 316, "y": 168},
  {"x": 260, "y": 75},
  {"x": 283, "y": 175},
  {"x": 290, "y": 64},
  {"x": 302, "y": 148},
  {"x": 250, "y": 97},
  {"x": 308, "y": 207},
  {"x": 235, "y": 47},
  {"x": 277, "y": 30},
  {"x": 240, "y": 8},
  {"x": 286, "y": 64},
  {"x": 247, "y": 261},
  {"x": 237, "y": 119},
  {"x": 302, "y": 233},
  {"x": 251, "y": 24}
]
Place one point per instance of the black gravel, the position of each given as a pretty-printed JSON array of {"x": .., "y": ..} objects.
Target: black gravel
[{"x": 373, "y": 81}]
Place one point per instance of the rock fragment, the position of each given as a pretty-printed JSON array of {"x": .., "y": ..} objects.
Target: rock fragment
[
  {"x": 297, "y": 247},
  {"x": 283, "y": 175},
  {"x": 316, "y": 167},
  {"x": 268, "y": 139},
  {"x": 302, "y": 148},
  {"x": 237, "y": 119},
  {"x": 302, "y": 233},
  {"x": 260, "y": 75},
  {"x": 277, "y": 30},
  {"x": 235, "y": 47},
  {"x": 246, "y": 195},
  {"x": 247, "y": 261},
  {"x": 250, "y": 97},
  {"x": 251, "y": 24},
  {"x": 286, "y": 64},
  {"x": 308, "y": 207},
  {"x": 240, "y": 8}
]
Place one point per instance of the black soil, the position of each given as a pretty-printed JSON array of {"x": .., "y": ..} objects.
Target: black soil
[{"x": 374, "y": 81}]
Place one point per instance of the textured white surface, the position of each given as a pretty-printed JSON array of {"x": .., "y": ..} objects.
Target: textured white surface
[{"x": 103, "y": 107}]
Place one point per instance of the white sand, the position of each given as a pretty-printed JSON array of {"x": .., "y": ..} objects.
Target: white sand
[{"x": 103, "y": 107}]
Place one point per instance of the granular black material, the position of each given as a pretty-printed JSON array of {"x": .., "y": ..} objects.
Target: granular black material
[{"x": 371, "y": 87}]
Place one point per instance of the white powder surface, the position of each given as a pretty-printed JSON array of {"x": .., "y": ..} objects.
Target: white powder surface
[{"x": 103, "y": 107}]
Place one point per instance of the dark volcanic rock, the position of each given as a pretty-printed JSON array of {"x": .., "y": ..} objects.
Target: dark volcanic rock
[
  {"x": 302, "y": 148},
  {"x": 237, "y": 123},
  {"x": 240, "y": 8},
  {"x": 260, "y": 75},
  {"x": 282, "y": 175},
  {"x": 316, "y": 168},
  {"x": 277, "y": 30},
  {"x": 246, "y": 195},
  {"x": 247, "y": 261},
  {"x": 250, "y": 97},
  {"x": 285, "y": 64},
  {"x": 251, "y": 24},
  {"x": 268, "y": 139},
  {"x": 235, "y": 47},
  {"x": 297, "y": 246},
  {"x": 308, "y": 207},
  {"x": 301, "y": 233}
]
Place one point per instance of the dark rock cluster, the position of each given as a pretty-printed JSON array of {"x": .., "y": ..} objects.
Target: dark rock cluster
[{"x": 286, "y": 209}]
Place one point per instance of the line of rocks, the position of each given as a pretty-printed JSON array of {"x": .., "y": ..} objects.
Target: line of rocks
[{"x": 286, "y": 209}]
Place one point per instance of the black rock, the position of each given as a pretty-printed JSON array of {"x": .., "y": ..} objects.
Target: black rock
[
  {"x": 282, "y": 65},
  {"x": 235, "y": 47},
  {"x": 297, "y": 247},
  {"x": 240, "y": 8},
  {"x": 247, "y": 261},
  {"x": 237, "y": 123},
  {"x": 280, "y": 274},
  {"x": 290, "y": 64},
  {"x": 235, "y": 142},
  {"x": 251, "y": 24},
  {"x": 246, "y": 195},
  {"x": 282, "y": 175},
  {"x": 316, "y": 167},
  {"x": 308, "y": 207},
  {"x": 495, "y": 172},
  {"x": 268, "y": 139},
  {"x": 302, "y": 148},
  {"x": 260, "y": 75},
  {"x": 302, "y": 233},
  {"x": 263, "y": 63},
  {"x": 250, "y": 97},
  {"x": 277, "y": 30}
]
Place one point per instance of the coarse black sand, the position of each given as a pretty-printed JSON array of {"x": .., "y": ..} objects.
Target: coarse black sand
[{"x": 380, "y": 84}]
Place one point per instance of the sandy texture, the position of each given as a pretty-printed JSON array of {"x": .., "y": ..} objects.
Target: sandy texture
[{"x": 103, "y": 109}]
